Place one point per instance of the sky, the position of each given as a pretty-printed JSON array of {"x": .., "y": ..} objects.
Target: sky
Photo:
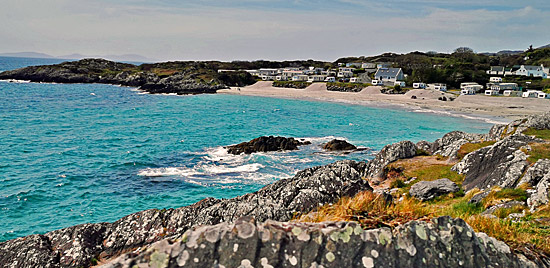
[{"x": 269, "y": 29}]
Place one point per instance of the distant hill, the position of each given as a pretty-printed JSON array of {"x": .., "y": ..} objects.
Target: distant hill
[
  {"x": 547, "y": 46},
  {"x": 27, "y": 55},
  {"x": 77, "y": 56}
]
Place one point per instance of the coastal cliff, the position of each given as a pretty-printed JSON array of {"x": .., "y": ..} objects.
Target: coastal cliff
[
  {"x": 293, "y": 223},
  {"x": 169, "y": 77}
]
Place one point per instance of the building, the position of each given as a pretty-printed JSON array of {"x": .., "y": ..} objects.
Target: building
[
  {"x": 381, "y": 65},
  {"x": 253, "y": 72},
  {"x": 399, "y": 83},
  {"x": 531, "y": 94},
  {"x": 531, "y": 71},
  {"x": 512, "y": 93},
  {"x": 495, "y": 80},
  {"x": 500, "y": 87},
  {"x": 466, "y": 84},
  {"x": 357, "y": 80},
  {"x": 330, "y": 79},
  {"x": 368, "y": 65},
  {"x": 543, "y": 95},
  {"x": 496, "y": 70},
  {"x": 354, "y": 64},
  {"x": 491, "y": 92},
  {"x": 437, "y": 87},
  {"x": 300, "y": 78},
  {"x": 316, "y": 78},
  {"x": 473, "y": 88},
  {"x": 268, "y": 72},
  {"x": 419, "y": 85},
  {"x": 389, "y": 74}
]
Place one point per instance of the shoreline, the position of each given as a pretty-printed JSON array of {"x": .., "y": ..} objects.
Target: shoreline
[{"x": 494, "y": 110}]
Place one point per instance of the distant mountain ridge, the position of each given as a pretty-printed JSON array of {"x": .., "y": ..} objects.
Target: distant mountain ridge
[{"x": 76, "y": 56}]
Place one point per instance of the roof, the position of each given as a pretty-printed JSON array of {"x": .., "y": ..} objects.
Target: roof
[
  {"x": 497, "y": 68},
  {"x": 388, "y": 72},
  {"x": 531, "y": 67}
]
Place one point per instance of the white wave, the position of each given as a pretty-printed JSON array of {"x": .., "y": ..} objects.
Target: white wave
[
  {"x": 15, "y": 81},
  {"x": 466, "y": 116},
  {"x": 201, "y": 170}
]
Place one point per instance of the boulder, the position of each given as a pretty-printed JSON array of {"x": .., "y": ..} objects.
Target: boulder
[
  {"x": 451, "y": 142},
  {"x": 501, "y": 164},
  {"x": 443, "y": 242},
  {"x": 540, "y": 196},
  {"x": 77, "y": 246},
  {"x": 477, "y": 198},
  {"x": 388, "y": 154},
  {"x": 338, "y": 145},
  {"x": 266, "y": 144},
  {"x": 427, "y": 190}
]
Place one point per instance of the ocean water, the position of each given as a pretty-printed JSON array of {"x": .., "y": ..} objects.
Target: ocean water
[{"x": 80, "y": 153}]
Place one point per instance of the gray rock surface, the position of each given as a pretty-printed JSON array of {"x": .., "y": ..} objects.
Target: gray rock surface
[
  {"x": 76, "y": 246},
  {"x": 443, "y": 242},
  {"x": 541, "y": 194},
  {"x": 388, "y": 154},
  {"x": 451, "y": 142},
  {"x": 541, "y": 121},
  {"x": 476, "y": 199},
  {"x": 501, "y": 164},
  {"x": 536, "y": 172},
  {"x": 427, "y": 190}
]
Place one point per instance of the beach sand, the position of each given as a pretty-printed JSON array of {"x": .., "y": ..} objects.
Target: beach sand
[{"x": 502, "y": 109}]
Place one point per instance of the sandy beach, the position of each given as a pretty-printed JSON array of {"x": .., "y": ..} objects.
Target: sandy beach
[{"x": 501, "y": 109}]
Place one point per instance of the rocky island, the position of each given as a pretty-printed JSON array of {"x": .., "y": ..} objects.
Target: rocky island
[{"x": 470, "y": 200}]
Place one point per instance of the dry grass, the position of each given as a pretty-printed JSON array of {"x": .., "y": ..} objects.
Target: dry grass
[
  {"x": 499, "y": 196},
  {"x": 471, "y": 147},
  {"x": 538, "y": 151}
]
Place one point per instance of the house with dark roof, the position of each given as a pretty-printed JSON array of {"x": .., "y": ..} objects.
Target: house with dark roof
[
  {"x": 496, "y": 70},
  {"x": 389, "y": 74},
  {"x": 531, "y": 71}
]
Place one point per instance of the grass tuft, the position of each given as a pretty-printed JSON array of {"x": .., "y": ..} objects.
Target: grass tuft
[
  {"x": 472, "y": 147},
  {"x": 541, "y": 134}
]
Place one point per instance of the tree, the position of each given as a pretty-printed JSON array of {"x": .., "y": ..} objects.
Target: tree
[{"x": 464, "y": 50}]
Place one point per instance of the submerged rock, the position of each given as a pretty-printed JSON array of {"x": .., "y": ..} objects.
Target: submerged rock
[
  {"x": 266, "y": 144},
  {"x": 443, "y": 242},
  {"x": 427, "y": 190},
  {"x": 338, "y": 145}
]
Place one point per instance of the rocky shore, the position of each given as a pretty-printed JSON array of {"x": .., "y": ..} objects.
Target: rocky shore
[
  {"x": 171, "y": 77},
  {"x": 254, "y": 230}
]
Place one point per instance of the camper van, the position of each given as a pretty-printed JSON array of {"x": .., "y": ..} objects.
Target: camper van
[
  {"x": 468, "y": 91},
  {"x": 399, "y": 83},
  {"x": 377, "y": 83},
  {"x": 491, "y": 92},
  {"x": 531, "y": 94},
  {"x": 330, "y": 79},
  {"x": 543, "y": 95},
  {"x": 419, "y": 85}
]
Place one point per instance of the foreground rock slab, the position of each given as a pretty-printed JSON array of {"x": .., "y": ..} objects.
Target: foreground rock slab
[
  {"x": 443, "y": 242},
  {"x": 427, "y": 190}
]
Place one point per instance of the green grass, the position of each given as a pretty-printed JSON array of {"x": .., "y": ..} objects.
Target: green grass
[
  {"x": 465, "y": 209},
  {"x": 541, "y": 134},
  {"x": 471, "y": 147},
  {"x": 502, "y": 213},
  {"x": 397, "y": 184},
  {"x": 435, "y": 172}
]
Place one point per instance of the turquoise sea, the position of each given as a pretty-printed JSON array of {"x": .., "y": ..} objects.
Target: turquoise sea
[{"x": 80, "y": 153}]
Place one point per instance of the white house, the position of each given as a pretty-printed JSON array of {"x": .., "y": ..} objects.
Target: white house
[
  {"x": 389, "y": 74},
  {"x": 495, "y": 79},
  {"x": 253, "y": 72},
  {"x": 504, "y": 86},
  {"x": 512, "y": 93},
  {"x": 531, "y": 94},
  {"x": 368, "y": 65},
  {"x": 531, "y": 71},
  {"x": 466, "y": 84},
  {"x": 496, "y": 70},
  {"x": 300, "y": 78},
  {"x": 491, "y": 92},
  {"x": 419, "y": 85},
  {"x": 473, "y": 88},
  {"x": 345, "y": 74},
  {"x": 437, "y": 87},
  {"x": 316, "y": 78}
]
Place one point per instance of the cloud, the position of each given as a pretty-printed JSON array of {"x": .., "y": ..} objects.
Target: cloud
[{"x": 249, "y": 30}]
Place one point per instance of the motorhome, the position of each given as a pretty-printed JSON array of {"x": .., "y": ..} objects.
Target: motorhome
[
  {"x": 491, "y": 92},
  {"x": 419, "y": 85},
  {"x": 531, "y": 94},
  {"x": 438, "y": 87},
  {"x": 330, "y": 79},
  {"x": 376, "y": 82}
]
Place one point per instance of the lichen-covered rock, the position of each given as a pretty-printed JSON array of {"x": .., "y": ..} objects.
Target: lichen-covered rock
[
  {"x": 338, "y": 145},
  {"x": 76, "y": 246},
  {"x": 443, "y": 242},
  {"x": 388, "y": 154},
  {"x": 541, "y": 194},
  {"x": 427, "y": 190},
  {"x": 266, "y": 144},
  {"x": 539, "y": 122},
  {"x": 501, "y": 164},
  {"x": 536, "y": 172},
  {"x": 451, "y": 142}
]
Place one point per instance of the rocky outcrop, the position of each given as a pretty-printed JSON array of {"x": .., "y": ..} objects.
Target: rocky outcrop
[
  {"x": 501, "y": 164},
  {"x": 451, "y": 142},
  {"x": 443, "y": 242},
  {"x": 266, "y": 144},
  {"x": 182, "y": 77},
  {"x": 428, "y": 190},
  {"x": 541, "y": 193},
  {"x": 389, "y": 154},
  {"x": 338, "y": 145},
  {"x": 535, "y": 122},
  {"x": 78, "y": 245}
]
